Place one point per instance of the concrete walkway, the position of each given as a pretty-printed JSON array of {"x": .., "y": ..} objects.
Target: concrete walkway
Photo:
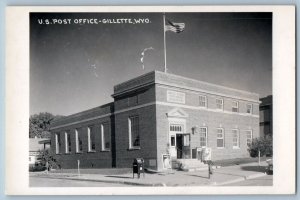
[{"x": 221, "y": 176}]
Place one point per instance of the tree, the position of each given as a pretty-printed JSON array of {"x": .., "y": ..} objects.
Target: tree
[
  {"x": 39, "y": 124},
  {"x": 264, "y": 145}
]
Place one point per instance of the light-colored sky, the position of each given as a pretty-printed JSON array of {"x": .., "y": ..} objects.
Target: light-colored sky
[{"x": 74, "y": 67}]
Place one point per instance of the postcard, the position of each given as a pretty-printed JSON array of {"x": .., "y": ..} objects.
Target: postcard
[{"x": 150, "y": 100}]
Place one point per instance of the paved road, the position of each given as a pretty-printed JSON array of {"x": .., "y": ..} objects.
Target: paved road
[
  {"x": 48, "y": 182},
  {"x": 266, "y": 180}
]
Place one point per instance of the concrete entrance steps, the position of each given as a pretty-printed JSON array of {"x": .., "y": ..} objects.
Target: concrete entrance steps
[{"x": 189, "y": 165}]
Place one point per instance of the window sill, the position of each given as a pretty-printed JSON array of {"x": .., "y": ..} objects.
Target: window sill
[
  {"x": 105, "y": 150},
  {"x": 133, "y": 148},
  {"x": 93, "y": 151},
  {"x": 58, "y": 153},
  {"x": 67, "y": 153},
  {"x": 79, "y": 152},
  {"x": 220, "y": 147},
  {"x": 236, "y": 148}
]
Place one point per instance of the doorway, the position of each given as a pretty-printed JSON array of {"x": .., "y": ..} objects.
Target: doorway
[{"x": 179, "y": 145}]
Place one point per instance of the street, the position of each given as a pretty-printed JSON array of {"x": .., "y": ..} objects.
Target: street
[
  {"x": 266, "y": 180},
  {"x": 49, "y": 182}
]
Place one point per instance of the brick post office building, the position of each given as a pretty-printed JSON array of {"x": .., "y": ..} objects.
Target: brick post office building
[{"x": 158, "y": 116}]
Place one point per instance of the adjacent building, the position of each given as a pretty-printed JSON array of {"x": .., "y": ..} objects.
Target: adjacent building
[
  {"x": 266, "y": 116},
  {"x": 159, "y": 116},
  {"x": 36, "y": 145}
]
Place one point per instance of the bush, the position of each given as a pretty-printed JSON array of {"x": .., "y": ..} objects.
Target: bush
[
  {"x": 47, "y": 157},
  {"x": 264, "y": 145}
]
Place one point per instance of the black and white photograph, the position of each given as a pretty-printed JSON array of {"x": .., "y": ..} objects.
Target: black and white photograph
[{"x": 151, "y": 99}]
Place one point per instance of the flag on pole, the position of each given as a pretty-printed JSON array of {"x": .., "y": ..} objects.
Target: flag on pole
[{"x": 175, "y": 27}]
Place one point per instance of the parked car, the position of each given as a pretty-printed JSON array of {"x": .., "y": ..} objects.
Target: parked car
[
  {"x": 270, "y": 166},
  {"x": 37, "y": 166}
]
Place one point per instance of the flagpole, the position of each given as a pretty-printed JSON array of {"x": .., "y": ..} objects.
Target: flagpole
[{"x": 165, "y": 51}]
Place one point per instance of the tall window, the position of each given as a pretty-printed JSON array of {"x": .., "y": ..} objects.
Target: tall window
[
  {"x": 220, "y": 138},
  {"x": 173, "y": 141},
  {"x": 78, "y": 141},
  {"x": 57, "y": 143},
  {"x": 202, "y": 101},
  {"x": 219, "y": 103},
  {"x": 68, "y": 142},
  {"x": 249, "y": 109},
  {"x": 91, "y": 139},
  {"x": 235, "y": 138},
  {"x": 134, "y": 135},
  {"x": 203, "y": 136},
  {"x": 249, "y": 137},
  {"x": 235, "y": 106},
  {"x": 105, "y": 136}
]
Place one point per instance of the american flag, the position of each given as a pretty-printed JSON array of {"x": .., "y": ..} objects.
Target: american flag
[{"x": 175, "y": 27}]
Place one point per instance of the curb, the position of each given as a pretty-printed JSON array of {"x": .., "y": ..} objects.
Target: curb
[
  {"x": 249, "y": 177},
  {"x": 228, "y": 182},
  {"x": 255, "y": 175}
]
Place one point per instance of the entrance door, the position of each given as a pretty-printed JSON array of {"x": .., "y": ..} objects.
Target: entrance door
[
  {"x": 183, "y": 146},
  {"x": 179, "y": 145}
]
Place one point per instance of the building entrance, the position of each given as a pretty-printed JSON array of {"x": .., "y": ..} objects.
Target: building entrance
[
  {"x": 183, "y": 146},
  {"x": 179, "y": 145}
]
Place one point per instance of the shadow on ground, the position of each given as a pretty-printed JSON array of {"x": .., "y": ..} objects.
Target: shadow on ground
[
  {"x": 199, "y": 176},
  {"x": 254, "y": 168},
  {"x": 119, "y": 177}
]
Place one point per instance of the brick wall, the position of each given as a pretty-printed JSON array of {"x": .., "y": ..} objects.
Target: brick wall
[
  {"x": 206, "y": 117},
  {"x": 147, "y": 131},
  {"x": 97, "y": 159}
]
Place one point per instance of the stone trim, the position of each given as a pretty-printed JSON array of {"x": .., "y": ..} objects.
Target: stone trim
[
  {"x": 197, "y": 91},
  {"x": 77, "y": 122},
  {"x": 156, "y": 103}
]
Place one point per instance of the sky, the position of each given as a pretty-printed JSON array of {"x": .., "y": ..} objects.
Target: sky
[{"x": 74, "y": 65}]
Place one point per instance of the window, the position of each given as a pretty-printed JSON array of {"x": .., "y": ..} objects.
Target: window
[
  {"x": 235, "y": 106},
  {"x": 203, "y": 136},
  {"x": 68, "y": 142},
  {"x": 173, "y": 141},
  {"x": 78, "y": 141},
  {"x": 249, "y": 137},
  {"x": 220, "y": 138},
  {"x": 235, "y": 138},
  {"x": 134, "y": 135},
  {"x": 57, "y": 143},
  {"x": 91, "y": 139},
  {"x": 176, "y": 128},
  {"x": 202, "y": 101},
  {"x": 219, "y": 103},
  {"x": 105, "y": 136},
  {"x": 249, "y": 109}
]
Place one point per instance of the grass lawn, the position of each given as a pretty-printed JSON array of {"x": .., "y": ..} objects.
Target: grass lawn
[{"x": 237, "y": 161}]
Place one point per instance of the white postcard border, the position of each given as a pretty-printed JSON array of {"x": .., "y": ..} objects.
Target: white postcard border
[{"x": 17, "y": 103}]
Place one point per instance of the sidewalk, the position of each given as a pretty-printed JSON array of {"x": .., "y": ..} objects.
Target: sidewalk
[{"x": 221, "y": 176}]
